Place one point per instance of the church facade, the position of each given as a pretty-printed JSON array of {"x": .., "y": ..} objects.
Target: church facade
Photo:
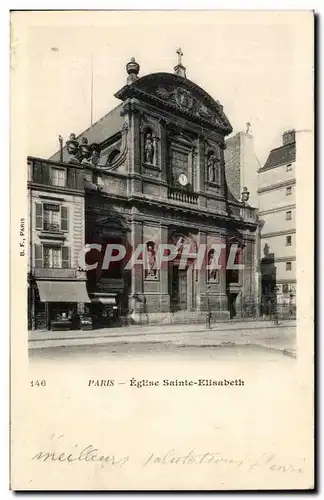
[{"x": 154, "y": 174}]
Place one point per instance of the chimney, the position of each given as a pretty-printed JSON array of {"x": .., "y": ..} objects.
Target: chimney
[{"x": 288, "y": 137}]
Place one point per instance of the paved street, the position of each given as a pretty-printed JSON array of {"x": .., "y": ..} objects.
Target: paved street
[{"x": 167, "y": 340}]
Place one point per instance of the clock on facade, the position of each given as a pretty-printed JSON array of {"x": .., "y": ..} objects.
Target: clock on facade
[{"x": 183, "y": 179}]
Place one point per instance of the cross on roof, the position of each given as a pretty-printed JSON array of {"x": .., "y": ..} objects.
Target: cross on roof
[{"x": 180, "y": 53}]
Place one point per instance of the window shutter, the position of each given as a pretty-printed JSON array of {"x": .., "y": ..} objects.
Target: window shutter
[
  {"x": 38, "y": 256},
  {"x": 66, "y": 257},
  {"x": 64, "y": 218},
  {"x": 39, "y": 216}
]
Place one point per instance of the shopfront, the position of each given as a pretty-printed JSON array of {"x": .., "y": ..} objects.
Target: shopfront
[
  {"x": 103, "y": 310},
  {"x": 59, "y": 304}
]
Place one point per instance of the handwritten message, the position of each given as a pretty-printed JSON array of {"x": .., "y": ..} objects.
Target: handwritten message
[{"x": 91, "y": 454}]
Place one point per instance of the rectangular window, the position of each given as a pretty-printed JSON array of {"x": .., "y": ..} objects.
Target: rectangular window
[
  {"x": 288, "y": 190},
  {"x": 288, "y": 266},
  {"x": 288, "y": 241},
  {"x": 52, "y": 257},
  {"x": 289, "y": 215},
  {"x": 285, "y": 289},
  {"x": 179, "y": 162},
  {"x": 289, "y": 167},
  {"x": 58, "y": 176},
  {"x": 51, "y": 217}
]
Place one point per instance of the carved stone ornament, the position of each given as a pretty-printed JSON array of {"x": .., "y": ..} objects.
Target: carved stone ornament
[
  {"x": 72, "y": 147},
  {"x": 85, "y": 151},
  {"x": 245, "y": 195},
  {"x": 184, "y": 99},
  {"x": 95, "y": 157}
]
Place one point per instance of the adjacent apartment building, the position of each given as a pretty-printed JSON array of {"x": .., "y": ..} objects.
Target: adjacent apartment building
[
  {"x": 277, "y": 210},
  {"x": 56, "y": 285}
]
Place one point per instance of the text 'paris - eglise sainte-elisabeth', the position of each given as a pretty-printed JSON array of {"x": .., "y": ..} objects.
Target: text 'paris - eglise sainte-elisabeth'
[{"x": 202, "y": 382}]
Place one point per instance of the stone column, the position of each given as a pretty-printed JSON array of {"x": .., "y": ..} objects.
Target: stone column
[
  {"x": 163, "y": 149},
  {"x": 132, "y": 121},
  {"x": 164, "y": 275},
  {"x": 218, "y": 293},
  {"x": 201, "y": 176},
  {"x": 201, "y": 299},
  {"x": 136, "y": 300}
]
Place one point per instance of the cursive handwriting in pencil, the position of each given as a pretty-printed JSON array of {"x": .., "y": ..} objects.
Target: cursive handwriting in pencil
[{"x": 87, "y": 454}]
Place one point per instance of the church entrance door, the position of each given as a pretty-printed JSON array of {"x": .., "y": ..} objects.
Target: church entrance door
[
  {"x": 179, "y": 289},
  {"x": 182, "y": 287}
]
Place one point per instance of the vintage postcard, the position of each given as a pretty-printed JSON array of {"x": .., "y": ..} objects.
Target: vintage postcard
[{"x": 162, "y": 285}]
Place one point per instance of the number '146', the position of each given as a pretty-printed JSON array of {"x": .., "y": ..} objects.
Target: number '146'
[{"x": 38, "y": 383}]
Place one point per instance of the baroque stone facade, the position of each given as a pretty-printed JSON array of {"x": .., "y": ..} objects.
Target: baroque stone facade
[{"x": 154, "y": 173}]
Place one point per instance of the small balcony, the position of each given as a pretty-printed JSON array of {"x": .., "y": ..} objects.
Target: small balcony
[
  {"x": 58, "y": 273},
  {"x": 183, "y": 196}
]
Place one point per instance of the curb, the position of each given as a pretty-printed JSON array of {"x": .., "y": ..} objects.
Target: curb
[
  {"x": 286, "y": 351},
  {"x": 130, "y": 335}
]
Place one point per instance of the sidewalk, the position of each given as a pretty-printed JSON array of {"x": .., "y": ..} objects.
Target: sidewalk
[{"x": 263, "y": 333}]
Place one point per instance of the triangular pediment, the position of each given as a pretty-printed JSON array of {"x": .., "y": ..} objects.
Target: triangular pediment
[{"x": 170, "y": 91}]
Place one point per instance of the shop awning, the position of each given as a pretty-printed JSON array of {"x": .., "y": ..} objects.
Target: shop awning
[
  {"x": 103, "y": 299},
  {"x": 63, "y": 291}
]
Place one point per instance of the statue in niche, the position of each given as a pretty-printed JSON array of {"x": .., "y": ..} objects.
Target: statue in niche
[
  {"x": 72, "y": 147},
  {"x": 85, "y": 151},
  {"x": 151, "y": 272},
  {"x": 212, "y": 165},
  {"x": 149, "y": 148},
  {"x": 212, "y": 271},
  {"x": 180, "y": 243}
]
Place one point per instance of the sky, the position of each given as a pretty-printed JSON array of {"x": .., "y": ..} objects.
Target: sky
[{"x": 257, "y": 64}]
